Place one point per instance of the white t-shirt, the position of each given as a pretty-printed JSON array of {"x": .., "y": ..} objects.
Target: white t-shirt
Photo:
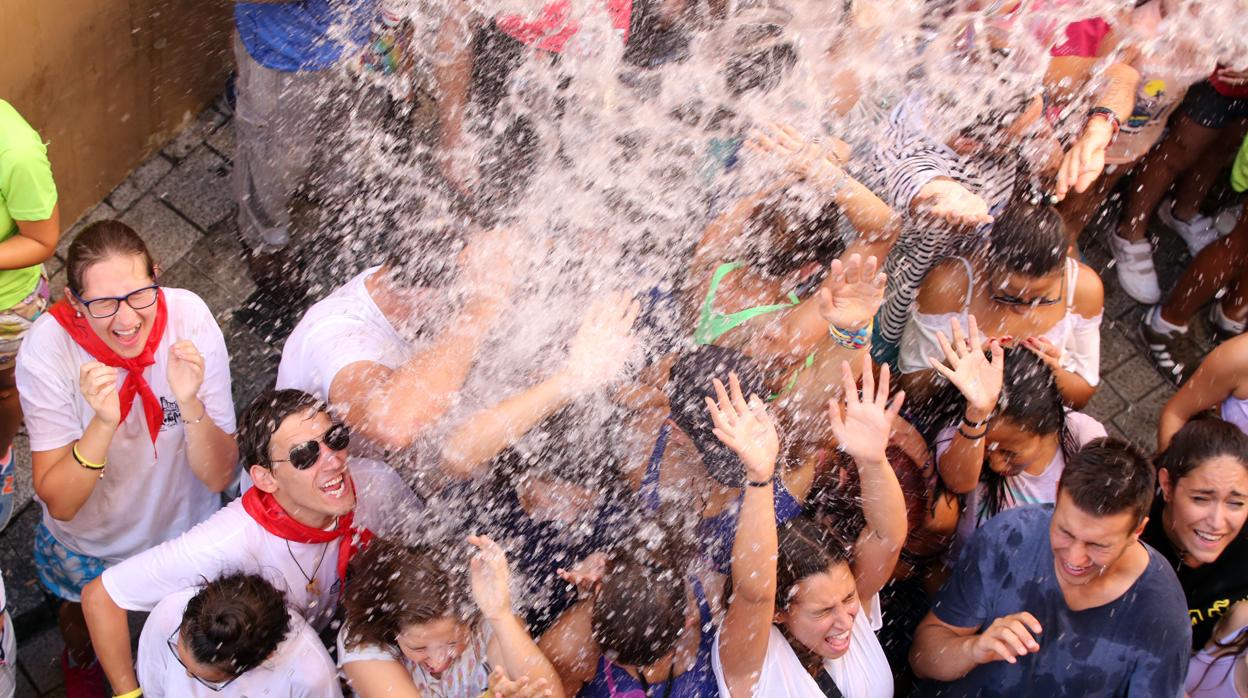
[
  {"x": 146, "y": 497},
  {"x": 343, "y": 328},
  {"x": 468, "y": 677},
  {"x": 299, "y": 668},
  {"x": 1025, "y": 488},
  {"x": 232, "y": 541},
  {"x": 862, "y": 672}
]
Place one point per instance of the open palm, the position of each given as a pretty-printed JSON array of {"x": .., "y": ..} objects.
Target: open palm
[
  {"x": 862, "y": 430},
  {"x": 976, "y": 376},
  {"x": 852, "y": 292}
]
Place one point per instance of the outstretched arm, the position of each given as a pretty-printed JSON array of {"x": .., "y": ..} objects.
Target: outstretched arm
[
  {"x": 979, "y": 379},
  {"x": 747, "y": 429},
  {"x": 862, "y": 432},
  {"x": 1223, "y": 373}
]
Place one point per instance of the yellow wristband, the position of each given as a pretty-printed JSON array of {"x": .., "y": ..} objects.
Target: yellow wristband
[
  {"x": 86, "y": 463},
  {"x": 130, "y": 694}
]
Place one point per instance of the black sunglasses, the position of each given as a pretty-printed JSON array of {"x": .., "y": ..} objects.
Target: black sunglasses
[{"x": 303, "y": 456}]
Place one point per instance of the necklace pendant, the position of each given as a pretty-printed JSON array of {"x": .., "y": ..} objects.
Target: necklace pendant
[{"x": 313, "y": 588}]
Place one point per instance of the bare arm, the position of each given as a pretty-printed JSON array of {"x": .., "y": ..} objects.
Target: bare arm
[
  {"x": 748, "y": 430},
  {"x": 34, "y": 243},
  {"x": 571, "y": 648},
  {"x": 1224, "y": 372},
  {"x": 601, "y": 348},
  {"x": 947, "y": 653},
  {"x": 212, "y": 453},
  {"x": 979, "y": 379},
  {"x": 377, "y": 678},
  {"x": 110, "y": 636},
  {"x": 453, "y": 78}
]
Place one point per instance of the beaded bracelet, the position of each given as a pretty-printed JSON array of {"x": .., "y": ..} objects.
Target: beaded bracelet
[{"x": 852, "y": 340}]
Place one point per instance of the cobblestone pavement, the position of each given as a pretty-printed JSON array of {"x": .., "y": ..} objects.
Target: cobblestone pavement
[{"x": 180, "y": 201}]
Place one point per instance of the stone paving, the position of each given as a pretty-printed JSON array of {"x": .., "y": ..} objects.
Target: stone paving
[{"x": 180, "y": 201}]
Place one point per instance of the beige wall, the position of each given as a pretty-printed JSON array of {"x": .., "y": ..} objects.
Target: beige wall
[{"x": 107, "y": 82}]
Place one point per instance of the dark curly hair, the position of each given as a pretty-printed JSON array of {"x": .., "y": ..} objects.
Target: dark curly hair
[{"x": 235, "y": 622}]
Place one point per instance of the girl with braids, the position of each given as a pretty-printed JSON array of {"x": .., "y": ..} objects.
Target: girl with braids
[
  {"x": 1013, "y": 436},
  {"x": 234, "y": 636},
  {"x": 412, "y": 632},
  {"x": 802, "y": 615}
]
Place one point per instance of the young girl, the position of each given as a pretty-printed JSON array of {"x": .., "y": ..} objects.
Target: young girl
[
  {"x": 1014, "y": 435},
  {"x": 126, "y": 390},
  {"x": 645, "y": 630},
  {"x": 801, "y": 614},
  {"x": 1025, "y": 291},
  {"x": 1197, "y": 523},
  {"x": 234, "y": 636},
  {"x": 1220, "y": 668},
  {"x": 410, "y": 631}
]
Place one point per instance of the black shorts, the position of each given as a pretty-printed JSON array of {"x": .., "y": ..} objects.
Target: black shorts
[{"x": 1210, "y": 108}]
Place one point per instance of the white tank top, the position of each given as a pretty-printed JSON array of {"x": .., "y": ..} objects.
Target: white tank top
[
  {"x": 862, "y": 672},
  {"x": 1235, "y": 411}
]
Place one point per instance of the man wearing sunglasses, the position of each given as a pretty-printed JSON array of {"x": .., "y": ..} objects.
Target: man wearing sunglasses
[{"x": 295, "y": 526}]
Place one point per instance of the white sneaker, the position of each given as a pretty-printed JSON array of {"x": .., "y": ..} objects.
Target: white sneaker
[
  {"x": 1226, "y": 219},
  {"x": 1197, "y": 233},
  {"x": 1136, "y": 274}
]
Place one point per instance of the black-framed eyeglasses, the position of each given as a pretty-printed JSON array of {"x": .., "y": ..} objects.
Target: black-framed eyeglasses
[
  {"x": 303, "y": 456},
  {"x": 210, "y": 685},
  {"x": 108, "y": 306},
  {"x": 1008, "y": 299}
]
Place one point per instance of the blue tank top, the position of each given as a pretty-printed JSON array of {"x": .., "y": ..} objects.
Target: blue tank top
[
  {"x": 716, "y": 533},
  {"x": 612, "y": 681}
]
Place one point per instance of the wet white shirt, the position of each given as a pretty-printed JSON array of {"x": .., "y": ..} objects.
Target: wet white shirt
[
  {"x": 147, "y": 497},
  {"x": 299, "y": 667}
]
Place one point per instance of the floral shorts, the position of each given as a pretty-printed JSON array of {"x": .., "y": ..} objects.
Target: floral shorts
[
  {"x": 61, "y": 570},
  {"x": 15, "y": 322}
]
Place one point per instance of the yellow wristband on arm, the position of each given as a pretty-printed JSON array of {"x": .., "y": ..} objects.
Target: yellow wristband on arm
[
  {"x": 86, "y": 463},
  {"x": 130, "y": 694}
]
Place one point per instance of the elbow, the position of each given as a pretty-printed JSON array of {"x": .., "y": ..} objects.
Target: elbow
[
  {"x": 95, "y": 597},
  {"x": 958, "y": 483},
  {"x": 58, "y": 510}
]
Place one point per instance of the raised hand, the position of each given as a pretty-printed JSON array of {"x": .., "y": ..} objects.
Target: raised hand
[
  {"x": 585, "y": 574},
  {"x": 98, "y": 384},
  {"x": 976, "y": 377},
  {"x": 604, "y": 343},
  {"x": 1085, "y": 160},
  {"x": 490, "y": 578},
  {"x": 810, "y": 159},
  {"x": 523, "y": 687},
  {"x": 1008, "y": 638},
  {"x": 185, "y": 372},
  {"x": 863, "y": 430},
  {"x": 1049, "y": 353},
  {"x": 852, "y": 292},
  {"x": 746, "y": 428},
  {"x": 953, "y": 203}
]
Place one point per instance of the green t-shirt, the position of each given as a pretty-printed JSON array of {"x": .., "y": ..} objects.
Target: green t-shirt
[
  {"x": 27, "y": 193},
  {"x": 1239, "y": 172}
]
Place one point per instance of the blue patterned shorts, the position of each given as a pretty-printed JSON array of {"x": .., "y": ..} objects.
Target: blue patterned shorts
[{"x": 61, "y": 570}]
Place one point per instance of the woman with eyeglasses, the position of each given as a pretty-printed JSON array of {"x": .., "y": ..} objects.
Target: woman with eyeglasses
[
  {"x": 233, "y": 636},
  {"x": 126, "y": 391},
  {"x": 1026, "y": 291}
]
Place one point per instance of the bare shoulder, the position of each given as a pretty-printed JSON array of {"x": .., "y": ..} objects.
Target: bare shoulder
[
  {"x": 1089, "y": 292},
  {"x": 944, "y": 288}
]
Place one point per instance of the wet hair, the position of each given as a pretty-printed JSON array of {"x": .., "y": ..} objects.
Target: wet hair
[
  {"x": 805, "y": 550},
  {"x": 1028, "y": 239},
  {"x": 1031, "y": 401},
  {"x": 836, "y": 501},
  {"x": 639, "y": 612},
  {"x": 687, "y": 390},
  {"x": 392, "y": 586},
  {"x": 98, "y": 242},
  {"x": 814, "y": 235},
  {"x": 1200, "y": 441},
  {"x": 261, "y": 419},
  {"x": 235, "y": 622},
  {"x": 1109, "y": 476}
]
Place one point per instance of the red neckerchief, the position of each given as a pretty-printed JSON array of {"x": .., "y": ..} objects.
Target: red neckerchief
[
  {"x": 554, "y": 26},
  {"x": 263, "y": 507},
  {"x": 80, "y": 331}
]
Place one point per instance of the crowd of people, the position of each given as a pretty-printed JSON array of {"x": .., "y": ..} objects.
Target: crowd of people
[{"x": 841, "y": 453}]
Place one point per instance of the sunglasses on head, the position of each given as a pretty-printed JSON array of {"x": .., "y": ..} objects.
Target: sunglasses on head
[{"x": 303, "y": 456}]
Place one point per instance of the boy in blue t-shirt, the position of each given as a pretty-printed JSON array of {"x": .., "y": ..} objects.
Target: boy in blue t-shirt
[{"x": 1062, "y": 599}]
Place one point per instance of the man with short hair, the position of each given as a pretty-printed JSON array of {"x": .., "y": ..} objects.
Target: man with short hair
[
  {"x": 1062, "y": 599},
  {"x": 296, "y": 527}
]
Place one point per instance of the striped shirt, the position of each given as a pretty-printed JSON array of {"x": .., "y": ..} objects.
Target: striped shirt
[{"x": 907, "y": 159}]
